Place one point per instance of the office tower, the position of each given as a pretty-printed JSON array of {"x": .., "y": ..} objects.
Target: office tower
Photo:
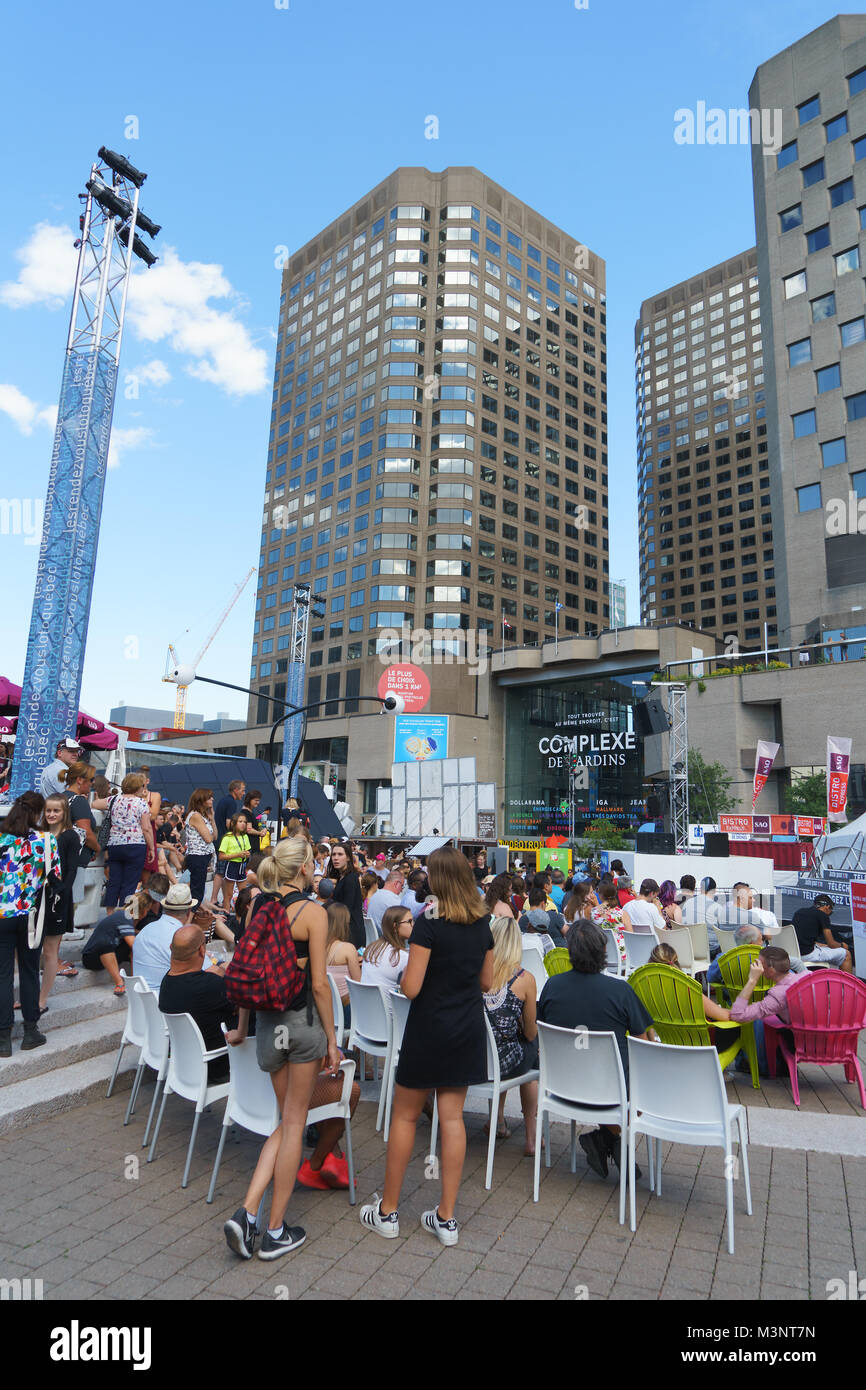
[
  {"x": 438, "y": 449},
  {"x": 706, "y": 536},
  {"x": 810, "y": 209}
]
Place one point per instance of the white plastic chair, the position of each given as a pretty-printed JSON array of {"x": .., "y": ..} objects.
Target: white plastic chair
[
  {"x": 188, "y": 1076},
  {"x": 370, "y": 1030},
  {"x": 581, "y": 1081},
  {"x": 639, "y": 946},
  {"x": 787, "y": 939},
  {"x": 678, "y": 1094},
  {"x": 399, "y": 1006},
  {"x": 726, "y": 937},
  {"x": 532, "y": 960},
  {"x": 681, "y": 940},
  {"x": 135, "y": 1027},
  {"x": 490, "y": 1090},
  {"x": 337, "y": 1005},
  {"x": 371, "y": 932},
  {"x": 612, "y": 963},
  {"x": 154, "y": 1054},
  {"x": 252, "y": 1105},
  {"x": 700, "y": 943}
]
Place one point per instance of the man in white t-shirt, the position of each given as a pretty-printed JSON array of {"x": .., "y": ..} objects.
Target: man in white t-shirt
[
  {"x": 389, "y": 895},
  {"x": 643, "y": 912},
  {"x": 151, "y": 950}
]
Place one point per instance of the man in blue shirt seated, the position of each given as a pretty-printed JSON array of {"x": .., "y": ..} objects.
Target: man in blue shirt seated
[{"x": 585, "y": 997}]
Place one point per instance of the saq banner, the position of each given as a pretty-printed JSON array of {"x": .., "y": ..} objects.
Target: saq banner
[
  {"x": 765, "y": 756},
  {"x": 838, "y": 764}
]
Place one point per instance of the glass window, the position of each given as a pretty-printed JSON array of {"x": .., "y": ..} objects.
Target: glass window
[
  {"x": 838, "y": 126},
  {"x": 813, "y": 173},
  {"x": 860, "y": 148},
  {"x": 799, "y": 352},
  {"x": 809, "y": 498},
  {"x": 833, "y": 451},
  {"x": 847, "y": 260},
  {"x": 857, "y": 82},
  {"x": 808, "y": 110},
  {"x": 854, "y": 331},
  {"x": 803, "y": 423},
  {"x": 791, "y": 218},
  {"x": 823, "y": 308},
  {"x": 841, "y": 192},
  {"x": 828, "y": 378},
  {"x": 786, "y": 155},
  {"x": 858, "y": 483},
  {"x": 819, "y": 238},
  {"x": 794, "y": 284},
  {"x": 856, "y": 406}
]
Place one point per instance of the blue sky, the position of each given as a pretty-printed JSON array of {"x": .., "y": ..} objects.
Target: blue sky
[{"x": 257, "y": 126}]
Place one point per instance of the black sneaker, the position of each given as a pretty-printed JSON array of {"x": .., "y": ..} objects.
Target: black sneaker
[
  {"x": 613, "y": 1144},
  {"x": 290, "y": 1237},
  {"x": 596, "y": 1154},
  {"x": 241, "y": 1233},
  {"x": 32, "y": 1038}
]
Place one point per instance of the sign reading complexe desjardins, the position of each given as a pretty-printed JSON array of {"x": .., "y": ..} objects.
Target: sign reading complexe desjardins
[{"x": 577, "y": 741}]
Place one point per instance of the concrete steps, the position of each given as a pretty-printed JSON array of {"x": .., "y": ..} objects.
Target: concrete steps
[{"x": 83, "y": 1027}]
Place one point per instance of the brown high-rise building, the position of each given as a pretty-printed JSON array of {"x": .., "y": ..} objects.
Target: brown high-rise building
[
  {"x": 706, "y": 535},
  {"x": 438, "y": 448}
]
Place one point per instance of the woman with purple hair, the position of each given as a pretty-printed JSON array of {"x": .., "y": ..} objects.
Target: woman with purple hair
[{"x": 669, "y": 905}]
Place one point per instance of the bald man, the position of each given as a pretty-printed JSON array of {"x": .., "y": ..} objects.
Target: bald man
[{"x": 190, "y": 989}]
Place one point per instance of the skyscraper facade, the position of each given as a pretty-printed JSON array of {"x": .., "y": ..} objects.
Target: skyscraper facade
[
  {"x": 438, "y": 449},
  {"x": 810, "y": 212},
  {"x": 706, "y": 534}
]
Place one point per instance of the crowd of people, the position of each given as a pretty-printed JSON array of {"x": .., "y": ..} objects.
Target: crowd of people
[{"x": 449, "y": 934}]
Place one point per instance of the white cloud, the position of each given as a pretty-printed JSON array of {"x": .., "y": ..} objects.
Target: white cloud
[
  {"x": 169, "y": 303},
  {"x": 154, "y": 373},
  {"x": 47, "y": 273},
  {"x": 124, "y": 440},
  {"x": 172, "y": 302},
  {"x": 23, "y": 412}
]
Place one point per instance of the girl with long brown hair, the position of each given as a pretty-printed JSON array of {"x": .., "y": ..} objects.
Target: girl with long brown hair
[{"x": 444, "y": 1044}]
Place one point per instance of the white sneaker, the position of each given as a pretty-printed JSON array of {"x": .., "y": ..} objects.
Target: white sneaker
[
  {"x": 371, "y": 1216},
  {"x": 446, "y": 1232}
]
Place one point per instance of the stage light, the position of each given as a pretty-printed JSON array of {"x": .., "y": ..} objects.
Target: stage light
[
  {"x": 108, "y": 199},
  {"x": 121, "y": 165},
  {"x": 140, "y": 249},
  {"x": 144, "y": 222}
]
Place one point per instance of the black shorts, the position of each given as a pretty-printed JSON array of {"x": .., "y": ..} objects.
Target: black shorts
[{"x": 91, "y": 960}]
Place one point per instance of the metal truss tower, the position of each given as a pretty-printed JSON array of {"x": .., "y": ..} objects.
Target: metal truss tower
[
  {"x": 678, "y": 764},
  {"x": 293, "y": 729},
  {"x": 73, "y": 504}
]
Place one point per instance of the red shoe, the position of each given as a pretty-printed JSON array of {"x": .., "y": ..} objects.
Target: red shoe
[
  {"x": 308, "y": 1177},
  {"x": 335, "y": 1171}
]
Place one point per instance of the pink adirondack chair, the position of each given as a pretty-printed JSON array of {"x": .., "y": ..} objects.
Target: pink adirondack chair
[{"x": 828, "y": 1010}]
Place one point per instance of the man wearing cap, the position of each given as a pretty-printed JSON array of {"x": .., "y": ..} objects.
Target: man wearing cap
[
  {"x": 151, "y": 951},
  {"x": 67, "y": 753},
  {"x": 110, "y": 943},
  {"x": 815, "y": 935}
]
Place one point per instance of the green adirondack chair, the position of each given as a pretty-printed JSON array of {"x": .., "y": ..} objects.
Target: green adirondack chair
[
  {"x": 673, "y": 1000},
  {"x": 734, "y": 966},
  {"x": 557, "y": 961}
]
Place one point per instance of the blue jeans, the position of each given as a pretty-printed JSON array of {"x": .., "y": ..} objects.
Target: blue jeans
[
  {"x": 198, "y": 865},
  {"x": 125, "y": 863}
]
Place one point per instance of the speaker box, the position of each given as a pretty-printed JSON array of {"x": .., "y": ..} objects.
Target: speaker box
[
  {"x": 497, "y": 859},
  {"x": 650, "y": 717},
  {"x": 717, "y": 845},
  {"x": 656, "y": 843}
]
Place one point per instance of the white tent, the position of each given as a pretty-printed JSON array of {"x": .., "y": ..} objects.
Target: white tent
[{"x": 844, "y": 848}]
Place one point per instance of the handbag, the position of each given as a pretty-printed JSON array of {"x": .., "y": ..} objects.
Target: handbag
[
  {"x": 47, "y": 901},
  {"x": 104, "y": 830}
]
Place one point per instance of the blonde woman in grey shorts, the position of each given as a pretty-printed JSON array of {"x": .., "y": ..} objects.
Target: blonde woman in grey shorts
[{"x": 290, "y": 1046}]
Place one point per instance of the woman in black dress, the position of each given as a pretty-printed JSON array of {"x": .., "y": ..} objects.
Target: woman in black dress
[
  {"x": 57, "y": 820},
  {"x": 445, "y": 1042},
  {"x": 347, "y": 890}
]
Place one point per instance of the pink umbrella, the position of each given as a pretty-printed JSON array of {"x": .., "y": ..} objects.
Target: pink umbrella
[{"x": 91, "y": 731}]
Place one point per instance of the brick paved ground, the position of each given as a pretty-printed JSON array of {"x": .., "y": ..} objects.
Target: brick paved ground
[{"x": 70, "y": 1217}]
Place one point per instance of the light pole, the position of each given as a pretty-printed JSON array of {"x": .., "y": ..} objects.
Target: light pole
[{"x": 390, "y": 703}]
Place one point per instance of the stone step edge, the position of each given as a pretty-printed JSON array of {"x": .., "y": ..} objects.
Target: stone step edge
[
  {"x": 27, "y": 1102},
  {"x": 76, "y": 1042}
]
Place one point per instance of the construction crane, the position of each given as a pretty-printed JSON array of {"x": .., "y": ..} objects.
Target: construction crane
[{"x": 171, "y": 662}]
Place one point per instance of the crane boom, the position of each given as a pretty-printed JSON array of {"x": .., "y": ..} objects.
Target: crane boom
[{"x": 172, "y": 662}]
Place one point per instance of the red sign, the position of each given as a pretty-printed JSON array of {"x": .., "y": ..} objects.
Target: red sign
[
  {"x": 736, "y": 824},
  {"x": 772, "y": 825},
  {"x": 408, "y": 681},
  {"x": 858, "y": 903}
]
